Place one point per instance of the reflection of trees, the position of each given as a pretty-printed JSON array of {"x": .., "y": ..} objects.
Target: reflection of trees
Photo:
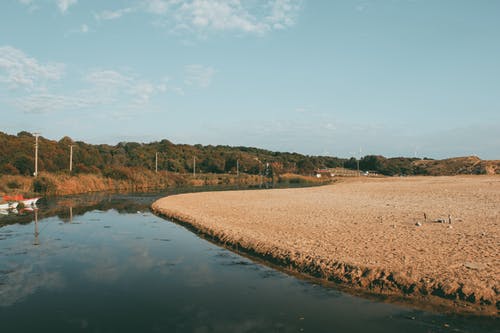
[{"x": 67, "y": 208}]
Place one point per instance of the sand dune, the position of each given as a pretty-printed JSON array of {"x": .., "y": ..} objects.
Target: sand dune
[{"x": 379, "y": 235}]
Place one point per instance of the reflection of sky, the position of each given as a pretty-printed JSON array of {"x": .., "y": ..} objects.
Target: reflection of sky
[
  {"x": 134, "y": 272},
  {"x": 102, "y": 248}
]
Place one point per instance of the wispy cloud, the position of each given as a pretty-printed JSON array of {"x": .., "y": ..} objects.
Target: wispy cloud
[
  {"x": 18, "y": 70},
  {"x": 158, "y": 6},
  {"x": 107, "y": 78},
  {"x": 205, "y": 16},
  {"x": 83, "y": 29},
  {"x": 65, "y": 4},
  {"x": 62, "y": 5},
  {"x": 30, "y": 80},
  {"x": 44, "y": 103},
  {"x": 202, "y": 17},
  {"x": 113, "y": 15},
  {"x": 198, "y": 75},
  {"x": 113, "y": 83}
]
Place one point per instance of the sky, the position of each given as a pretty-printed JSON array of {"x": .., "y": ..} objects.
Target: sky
[{"x": 319, "y": 77}]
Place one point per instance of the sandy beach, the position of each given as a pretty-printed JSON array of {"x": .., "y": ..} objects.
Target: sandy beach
[{"x": 388, "y": 236}]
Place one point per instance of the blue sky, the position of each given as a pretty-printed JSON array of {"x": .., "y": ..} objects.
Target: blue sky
[{"x": 393, "y": 77}]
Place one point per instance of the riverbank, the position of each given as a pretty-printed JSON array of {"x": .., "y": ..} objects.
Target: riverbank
[
  {"x": 388, "y": 236},
  {"x": 133, "y": 181}
]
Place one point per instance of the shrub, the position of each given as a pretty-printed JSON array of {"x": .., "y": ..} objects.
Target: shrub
[
  {"x": 118, "y": 173},
  {"x": 44, "y": 185},
  {"x": 13, "y": 184},
  {"x": 9, "y": 169}
]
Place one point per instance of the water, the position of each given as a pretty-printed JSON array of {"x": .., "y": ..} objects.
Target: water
[{"x": 106, "y": 264}]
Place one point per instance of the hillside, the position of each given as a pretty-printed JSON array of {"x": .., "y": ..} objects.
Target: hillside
[
  {"x": 458, "y": 165},
  {"x": 17, "y": 157},
  {"x": 121, "y": 161}
]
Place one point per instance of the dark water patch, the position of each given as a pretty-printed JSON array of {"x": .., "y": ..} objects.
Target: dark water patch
[{"x": 162, "y": 239}]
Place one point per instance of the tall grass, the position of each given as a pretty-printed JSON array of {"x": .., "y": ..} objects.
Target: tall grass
[
  {"x": 126, "y": 179},
  {"x": 290, "y": 178}
]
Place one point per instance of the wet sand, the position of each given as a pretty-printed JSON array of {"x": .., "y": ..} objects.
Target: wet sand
[{"x": 389, "y": 236}]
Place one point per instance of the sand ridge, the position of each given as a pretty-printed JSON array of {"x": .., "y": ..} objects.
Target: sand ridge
[{"x": 377, "y": 234}]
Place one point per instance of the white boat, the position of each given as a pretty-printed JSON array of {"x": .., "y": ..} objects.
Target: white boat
[
  {"x": 9, "y": 205},
  {"x": 19, "y": 198},
  {"x": 30, "y": 202}
]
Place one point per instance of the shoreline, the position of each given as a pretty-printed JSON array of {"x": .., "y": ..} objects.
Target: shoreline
[{"x": 468, "y": 288}]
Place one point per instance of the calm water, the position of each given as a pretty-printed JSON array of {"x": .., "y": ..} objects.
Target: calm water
[{"x": 106, "y": 264}]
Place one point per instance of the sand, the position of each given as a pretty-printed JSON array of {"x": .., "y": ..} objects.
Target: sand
[{"x": 379, "y": 235}]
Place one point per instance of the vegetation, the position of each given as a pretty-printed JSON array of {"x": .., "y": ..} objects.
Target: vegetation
[
  {"x": 125, "y": 158},
  {"x": 131, "y": 165}
]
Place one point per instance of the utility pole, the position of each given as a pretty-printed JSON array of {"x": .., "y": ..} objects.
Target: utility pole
[
  {"x": 36, "y": 153},
  {"x": 156, "y": 162},
  {"x": 194, "y": 166},
  {"x": 70, "y": 158},
  {"x": 359, "y": 159},
  {"x": 237, "y": 167}
]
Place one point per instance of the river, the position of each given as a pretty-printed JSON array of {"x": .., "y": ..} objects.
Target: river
[{"x": 105, "y": 263}]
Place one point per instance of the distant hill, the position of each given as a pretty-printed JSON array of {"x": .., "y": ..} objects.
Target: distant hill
[
  {"x": 17, "y": 157},
  {"x": 459, "y": 166}
]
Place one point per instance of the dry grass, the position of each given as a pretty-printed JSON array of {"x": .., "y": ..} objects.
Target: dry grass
[
  {"x": 137, "y": 180},
  {"x": 291, "y": 178}
]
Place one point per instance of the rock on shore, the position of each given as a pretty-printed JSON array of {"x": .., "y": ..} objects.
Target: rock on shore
[{"x": 431, "y": 237}]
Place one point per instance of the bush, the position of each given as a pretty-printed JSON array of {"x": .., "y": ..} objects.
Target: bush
[
  {"x": 118, "y": 173},
  {"x": 9, "y": 169},
  {"x": 13, "y": 184},
  {"x": 44, "y": 185}
]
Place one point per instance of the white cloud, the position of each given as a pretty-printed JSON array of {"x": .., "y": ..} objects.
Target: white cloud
[
  {"x": 108, "y": 78},
  {"x": 142, "y": 91},
  {"x": 218, "y": 15},
  {"x": 113, "y": 15},
  {"x": 104, "y": 87},
  {"x": 283, "y": 14},
  {"x": 159, "y": 6},
  {"x": 44, "y": 103},
  {"x": 65, "y": 4},
  {"x": 96, "y": 88},
  {"x": 198, "y": 75},
  {"x": 83, "y": 29},
  {"x": 204, "y": 16},
  {"x": 18, "y": 70},
  {"x": 113, "y": 83}
]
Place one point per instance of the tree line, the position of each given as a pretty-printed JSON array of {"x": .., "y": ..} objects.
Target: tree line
[
  {"x": 116, "y": 161},
  {"x": 17, "y": 157}
]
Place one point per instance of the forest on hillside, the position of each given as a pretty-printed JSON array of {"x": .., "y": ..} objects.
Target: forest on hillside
[
  {"x": 116, "y": 161},
  {"x": 17, "y": 157}
]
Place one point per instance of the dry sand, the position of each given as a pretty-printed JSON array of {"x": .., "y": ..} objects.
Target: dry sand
[{"x": 363, "y": 233}]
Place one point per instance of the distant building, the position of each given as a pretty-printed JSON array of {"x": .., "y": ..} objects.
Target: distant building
[{"x": 323, "y": 173}]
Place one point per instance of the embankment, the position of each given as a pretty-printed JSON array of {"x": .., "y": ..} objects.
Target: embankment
[
  {"x": 388, "y": 236},
  {"x": 140, "y": 181}
]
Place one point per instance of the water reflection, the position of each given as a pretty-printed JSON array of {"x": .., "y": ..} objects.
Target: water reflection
[
  {"x": 107, "y": 264},
  {"x": 36, "y": 241}
]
